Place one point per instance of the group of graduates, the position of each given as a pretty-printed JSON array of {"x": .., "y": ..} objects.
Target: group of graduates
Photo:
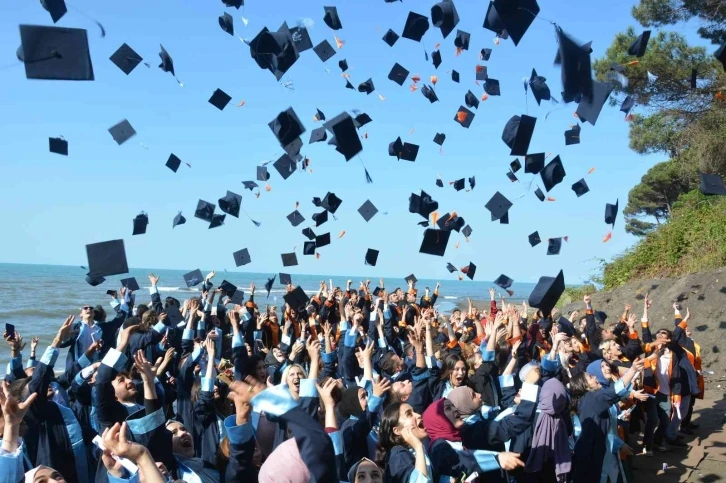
[{"x": 344, "y": 386}]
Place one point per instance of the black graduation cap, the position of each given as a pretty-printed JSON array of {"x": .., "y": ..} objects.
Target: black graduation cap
[
  {"x": 416, "y": 26},
  {"x": 286, "y": 127},
  {"x": 366, "y": 86},
  {"x": 390, "y": 37},
  {"x": 434, "y": 242},
  {"x": 301, "y": 38},
  {"x": 627, "y": 105},
  {"x": 512, "y": 177},
  {"x": 241, "y": 257},
  {"x": 589, "y": 109},
  {"x": 217, "y": 221},
  {"x": 193, "y": 278},
  {"x": 611, "y": 213},
  {"x": 439, "y": 183},
  {"x": 56, "y": 8},
  {"x": 469, "y": 271},
  {"x": 464, "y": 117},
  {"x": 518, "y": 133},
  {"x": 140, "y": 223},
  {"x": 422, "y": 204},
  {"x": 250, "y": 185},
  {"x": 234, "y": 3},
  {"x": 498, "y": 205},
  {"x": 554, "y": 245},
  {"x": 322, "y": 240},
  {"x": 227, "y": 288},
  {"x": 439, "y": 138},
  {"x": 285, "y": 166},
  {"x": 436, "y": 58},
  {"x": 361, "y": 120},
  {"x": 460, "y": 184},
  {"x": 481, "y": 72},
  {"x": 553, "y": 173},
  {"x": 485, "y": 54},
  {"x": 448, "y": 223},
  {"x": 231, "y": 204},
  {"x": 429, "y": 93},
  {"x": 167, "y": 64},
  {"x": 348, "y": 85},
  {"x": 268, "y": 285},
  {"x": 371, "y": 257},
  {"x": 580, "y": 188},
  {"x": 538, "y": 193},
  {"x": 296, "y": 299},
  {"x": 472, "y": 182},
  {"x": 471, "y": 100},
  {"x": 467, "y": 231},
  {"x": 58, "y": 146},
  {"x": 289, "y": 259},
  {"x": 324, "y": 50},
  {"x": 712, "y": 184},
  {"x": 504, "y": 282},
  {"x": 309, "y": 233},
  {"x": 126, "y": 59},
  {"x": 547, "y": 293},
  {"x": 220, "y": 99},
  {"x": 130, "y": 284},
  {"x": 204, "y": 211},
  {"x": 107, "y": 258},
  {"x": 367, "y": 210},
  {"x": 720, "y": 54},
  {"x": 491, "y": 87},
  {"x": 262, "y": 174},
  {"x": 451, "y": 268},
  {"x": 345, "y": 134},
  {"x": 295, "y": 218},
  {"x": 637, "y": 48},
  {"x": 331, "y": 202},
  {"x": 409, "y": 152},
  {"x": 539, "y": 87},
  {"x": 515, "y": 165},
  {"x": 534, "y": 163},
  {"x": 320, "y": 218},
  {"x": 318, "y": 134},
  {"x": 516, "y": 16},
  {"x": 576, "y": 75},
  {"x": 274, "y": 51},
  {"x": 462, "y": 40},
  {"x": 444, "y": 16},
  {"x": 173, "y": 315},
  {"x": 572, "y": 136},
  {"x": 309, "y": 248},
  {"x": 178, "y": 220},
  {"x": 493, "y": 23},
  {"x": 534, "y": 239},
  {"x": 331, "y": 18},
  {"x": 122, "y": 132},
  {"x": 343, "y": 64},
  {"x": 455, "y": 76},
  {"x": 504, "y": 220},
  {"x": 398, "y": 74},
  {"x": 173, "y": 162},
  {"x": 285, "y": 279},
  {"x": 227, "y": 23},
  {"x": 395, "y": 148},
  {"x": 56, "y": 53}
]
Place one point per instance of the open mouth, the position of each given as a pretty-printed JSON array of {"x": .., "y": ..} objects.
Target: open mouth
[{"x": 186, "y": 442}]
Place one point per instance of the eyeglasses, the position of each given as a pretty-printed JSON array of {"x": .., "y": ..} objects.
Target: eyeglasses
[{"x": 87, "y": 307}]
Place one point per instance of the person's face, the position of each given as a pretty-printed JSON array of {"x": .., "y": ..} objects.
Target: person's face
[
  {"x": 181, "y": 440},
  {"x": 403, "y": 389},
  {"x": 294, "y": 375},
  {"x": 368, "y": 472},
  {"x": 398, "y": 363},
  {"x": 583, "y": 323},
  {"x": 458, "y": 374},
  {"x": 48, "y": 475},
  {"x": 411, "y": 298},
  {"x": 615, "y": 351},
  {"x": 408, "y": 418},
  {"x": 363, "y": 398},
  {"x": 124, "y": 388},
  {"x": 453, "y": 414},
  {"x": 394, "y": 298},
  {"x": 606, "y": 370},
  {"x": 688, "y": 333},
  {"x": 662, "y": 337},
  {"x": 87, "y": 312},
  {"x": 216, "y": 393},
  {"x": 279, "y": 356},
  {"x": 566, "y": 346},
  {"x": 477, "y": 399},
  {"x": 592, "y": 381},
  {"x": 607, "y": 334},
  {"x": 260, "y": 372}
]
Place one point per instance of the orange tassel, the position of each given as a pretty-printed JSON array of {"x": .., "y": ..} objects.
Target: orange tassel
[
  {"x": 607, "y": 237},
  {"x": 381, "y": 97},
  {"x": 416, "y": 78},
  {"x": 242, "y": 103},
  {"x": 566, "y": 238},
  {"x": 592, "y": 170},
  {"x": 317, "y": 255},
  {"x": 342, "y": 234},
  {"x": 457, "y": 245},
  {"x": 550, "y": 199},
  {"x": 339, "y": 43},
  {"x": 365, "y": 135},
  {"x": 633, "y": 62},
  {"x": 268, "y": 187},
  {"x": 459, "y": 50},
  {"x": 496, "y": 40},
  {"x": 461, "y": 116},
  {"x": 436, "y": 47},
  {"x": 484, "y": 96},
  {"x": 434, "y": 217},
  {"x": 434, "y": 79},
  {"x": 345, "y": 75}
]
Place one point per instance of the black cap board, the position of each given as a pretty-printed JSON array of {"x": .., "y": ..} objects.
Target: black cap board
[
  {"x": 331, "y": 18},
  {"x": 324, "y": 50},
  {"x": 320, "y": 218},
  {"x": 286, "y": 127},
  {"x": 226, "y": 23},
  {"x": 140, "y": 223},
  {"x": 516, "y": 16},
  {"x": 534, "y": 239},
  {"x": 411, "y": 278},
  {"x": 367, "y": 86},
  {"x": 444, "y": 16},
  {"x": 503, "y": 281},
  {"x": 390, "y": 37},
  {"x": 205, "y": 211},
  {"x": 416, "y": 26},
  {"x": 231, "y": 204},
  {"x": 130, "y": 284},
  {"x": 436, "y": 58},
  {"x": 285, "y": 166},
  {"x": 534, "y": 163},
  {"x": 220, "y": 99},
  {"x": 588, "y": 110},
  {"x": 367, "y": 210},
  {"x": 491, "y": 86},
  {"x": 611, "y": 213},
  {"x": 547, "y": 293},
  {"x": 295, "y": 218},
  {"x": 539, "y": 87},
  {"x": 56, "y": 53},
  {"x": 398, "y": 74},
  {"x": 572, "y": 136},
  {"x": 274, "y": 51},
  {"x": 167, "y": 63},
  {"x": 434, "y": 242},
  {"x": 309, "y": 248},
  {"x": 470, "y": 271},
  {"x": 554, "y": 245},
  {"x": 122, "y": 132},
  {"x": 217, "y": 221},
  {"x": 637, "y": 48},
  {"x": 309, "y": 233},
  {"x": 242, "y": 257},
  {"x": 194, "y": 278},
  {"x": 553, "y": 173},
  {"x": 493, "y": 22},
  {"x": 94, "y": 280},
  {"x": 471, "y": 100},
  {"x": 539, "y": 194},
  {"x": 173, "y": 162},
  {"x": 56, "y": 8},
  {"x": 580, "y": 188},
  {"x": 296, "y": 299},
  {"x": 126, "y": 59},
  {"x": 58, "y": 146},
  {"x": 227, "y": 288},
  {"x": 250, "y": 185},
  {"x": 322, "y": 240},
  {"x": 485, "y": 54},
  {"x": 451, "y": 268},
  {"x": 464, "y": 117},
  {"x": 331, "y": 202},
  {"x": 371, "y": 257},
  {"x": 269, "y": 283},
  {"x": 455, "y": 76},
  {"x": 517, "y": 134},
  {"x": 301, "y": 38},
  {"x": 262, "y": 174},
  {"x": 289, "y": 259},
  {"x": 515, "y": 165},
  {"x": 712, "y": 184},
  {"x": 467, "y": 231},
  {"x": 498, "y": 205},
  {"x": 462, "y": 40},
  {"x": 178, "y": 220},
  {"x": 439, "y": 138},
  {"x": 107, "y": 258},
  {"x": 347, "y": 140},
  {"x": 576, "y": 74},
  {"x": 285, "y": 279},
  {"x": 460, "y": 184},
  {"x": 429, "y": 93}
]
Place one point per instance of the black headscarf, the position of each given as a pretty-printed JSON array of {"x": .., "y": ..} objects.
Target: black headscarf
[{"x": 350, "y": 404}]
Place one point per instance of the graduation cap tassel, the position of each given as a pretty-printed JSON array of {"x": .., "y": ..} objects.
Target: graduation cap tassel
[{"x": 368, "y": 176}]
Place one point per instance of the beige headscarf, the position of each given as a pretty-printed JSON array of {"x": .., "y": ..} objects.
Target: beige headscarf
[
  {"x": 463, "y": 399},
  {"x": 284, "y": 465}
]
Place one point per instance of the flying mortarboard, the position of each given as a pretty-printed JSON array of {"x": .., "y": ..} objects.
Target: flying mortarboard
[
  {"x": 318, "y": 134},
  {"x": 345, "y": 134},
  {"x": 204, "y": 211},
  {"x": 429, "y": 93},
  {"x": 534, "y": 239},
  {"x": 361, "y": 120},
  {"x": 580, "y": 188},
  {"x": 227, "y": 23},
  {"x": 538, "y": 193},
  {"x": 588, "y": 110},
  {"x": 285, "y": 166},
  {"x": 712, "y": 184},
  {"x": 512, "y": 177},
  {"x": 250, "y": 185},
  {"x": 296, "y": 299},
  {"x": 493, "y": 22},
  {"x": 122, "y": 132},
  {"x": 637, "y": 48},
  {"x": 322, "y": 240},
  {"x": 220, "y": 99},
  {"x": 320, "y": 218},
  {"x": 371, "y": 257},
  {"x": 398, "y": 74},
  {"x": 56, "y": 53},
  {"x": 416, "y": 26},
  {"x": 301, "y": 38},
  {"x": 309, "y": 233},
  {"x": 439, "y": 138},
  {"x": 481, "y": 73},
  {"x": 58, "y": 146},
  {"x": 367, "y": 210},
  {"x": 331, "y": 18},
  {"x": 460, "y": 184},
  {"x": 485, "y": 54},
  {"x": 451, "y": 268},
  {"x": 289, "y": 259},
  {"x": 227, "y": 288},
  {"x": 498, "y": 205},
  {"x": 611, "y": 213},
  {"x": 444, "y": 16},
  {"x": 285, "y": 279},
  {"x": 194, "y": 278},
  {"x": 130, "y": 284},
  {"x": 572, "y": 136},
  {"x": 366, "y": 87},
  {"x": 343, "y": 64},
  {"x": 539, "y": 87},
  {"x": 517, "y": 134},
  {"x": 576, "y": 74},
  {"x": 439, "y": 183},
  {"x": 627, "y": 105},
  {"x": 262, "y": 174},
  {"x": 107, "y": 258},
  {"x": 178, "y": 220},
  {"x": 491, "y": 87},
  {"x": 455, "y": 76},
  {"x": 467, "y": 231},
  {"x": 241, "y": 257},
  {"x": 504, "y": 220},
  {"x": 286, "y": 127},
  {"x": 126, "y": 59},
  {"x": 140, "y": 223},
  {"x": 554, "y": 245},
  {"x": 395, "y": 148},
  {"x": 471, "y": 100},
  {"x": 515, "y": 165},
  {"x": 462, "y": 40},
  {"x": 553, "y": 174},
  {"x": 234, "y": 3},
  {"x": 390, "y": 37},
  {"x": 217, "y": 221},
  {"x": 269, "y": 283},
  {"x": 547, "y": 293},
  {"x": 434, "y": 242},
  {"x": 469, "y": 271},
  {"x": 331, "y": 202},
  {"x": 231, "y": 204},
  {"x": 409, "y": 152},
  {"x": 295, "y": 218},
  {"x": 516, "y": 16},
  {"x": 411, "y": 278},
  {"x": 534, "y": 163},
  {"x": 309, "y": 248},
  {"x": 274, "y": 51},
  {"x": 173, "y": 162},
  {"x": 324, "y": 50},
  {"x": 56, "y": 8},
  {"x": 422, "y": 204},
  {"x": 464, "y": 117},
  {"x": 448, "y": 223},
  {"x": 503, "y": 281},
  {"x": 167, "y": 64},
  {"x": 436, "y": 58}
]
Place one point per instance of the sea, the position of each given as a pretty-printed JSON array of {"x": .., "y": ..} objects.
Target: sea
[{"x": 38, "y": 298}]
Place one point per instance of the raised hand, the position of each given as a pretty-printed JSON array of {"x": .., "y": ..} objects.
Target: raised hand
[
  {"x": 147, "y": 371},
  {"x": 153, "y": 279},
  {"x": 14, "y": 410},
  {"x": 65, "y": 330},
  {"x": 326, "y": 393},
  {"x": 381, "y": 387},
  {"x": 114, "y": 439},
  {"x": 124, "y": 337},
  {"x": 509, "y": 461}
]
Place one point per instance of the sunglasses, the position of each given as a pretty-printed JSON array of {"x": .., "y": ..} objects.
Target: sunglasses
[{"x": 87, "y": 307}]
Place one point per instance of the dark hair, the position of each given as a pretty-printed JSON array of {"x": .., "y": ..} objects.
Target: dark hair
[
  {"x": 131, "y": 321},
  {"x": 99, "y": 314},
  {"x": 387, "y": 364},
  {"x": 140, "y": 309},
  {"x": 387, "y": 439},
  {"x": 169, "y": 301},
  {"x": 578, "y": 388},
  {"x": 449, "y": 364},
  {"x": 251, "y": 366}
]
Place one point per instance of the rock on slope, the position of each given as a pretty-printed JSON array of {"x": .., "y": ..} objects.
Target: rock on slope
[{"x": 703, "y": 293}]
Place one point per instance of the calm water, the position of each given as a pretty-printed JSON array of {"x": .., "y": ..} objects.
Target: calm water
[{"x": 37, "y": 298}]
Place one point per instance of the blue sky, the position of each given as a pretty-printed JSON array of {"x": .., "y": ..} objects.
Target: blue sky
[{"x": 54, "y": 206}]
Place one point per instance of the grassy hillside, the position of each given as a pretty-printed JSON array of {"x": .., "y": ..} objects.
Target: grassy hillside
[{"x": 693, "y": 240}]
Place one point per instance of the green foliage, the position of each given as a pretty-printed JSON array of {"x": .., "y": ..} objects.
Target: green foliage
[
  {"x": 694, "y": 239},
  {"x": 710, "y": 13},
  {"x": 574, "y": 294}
]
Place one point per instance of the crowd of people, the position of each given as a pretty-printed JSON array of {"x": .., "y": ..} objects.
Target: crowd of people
[{"x": 349, "y": 385}]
